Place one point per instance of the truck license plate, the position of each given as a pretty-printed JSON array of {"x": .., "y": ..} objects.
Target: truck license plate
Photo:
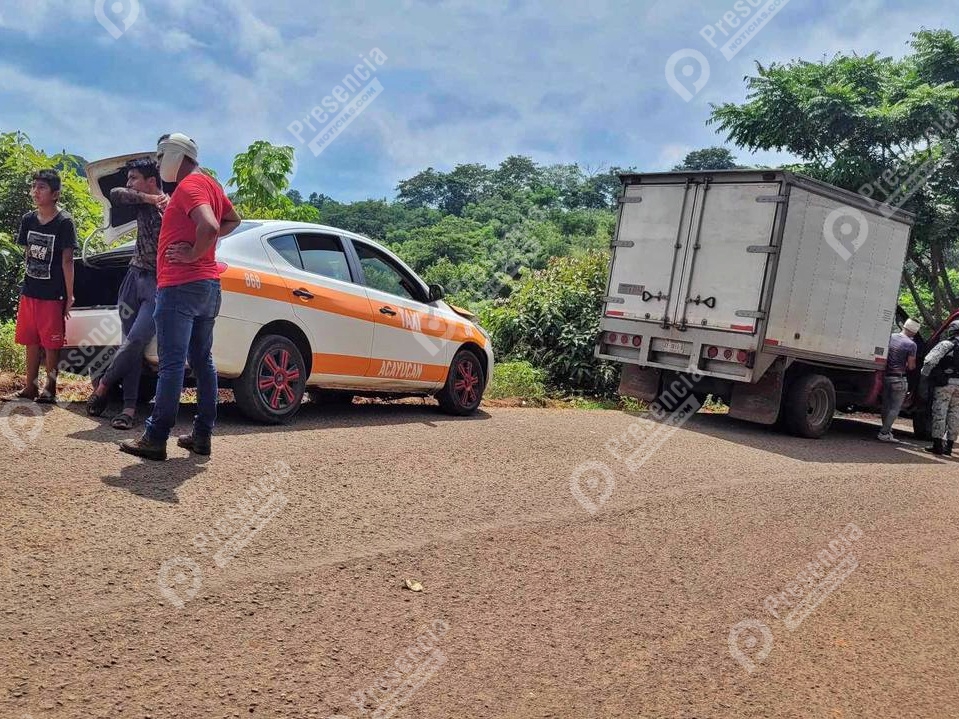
[{"x": 673, "y": 347}]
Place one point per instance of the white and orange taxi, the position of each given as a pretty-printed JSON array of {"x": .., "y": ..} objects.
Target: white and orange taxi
[{"x": 306, "y": 309}]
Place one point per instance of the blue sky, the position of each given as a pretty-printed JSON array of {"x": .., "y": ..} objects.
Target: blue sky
[{"x": 462, "y": 81}]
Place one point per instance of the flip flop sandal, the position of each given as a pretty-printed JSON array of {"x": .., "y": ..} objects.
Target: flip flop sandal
[
  {"x": 46, "y": 398},
  {"x": 96, "y": 404},
  {"x": 122, "y": 421}
]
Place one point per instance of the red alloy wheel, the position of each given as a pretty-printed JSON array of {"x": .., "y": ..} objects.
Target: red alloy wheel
[
  {"x": 275, "y": 381},
  {"x": 466, "y": 382}
]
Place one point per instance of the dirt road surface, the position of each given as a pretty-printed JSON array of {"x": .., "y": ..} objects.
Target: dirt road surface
[{"x": 131, "y": 589}]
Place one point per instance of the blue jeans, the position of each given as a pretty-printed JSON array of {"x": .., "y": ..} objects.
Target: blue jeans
[
  {"x": 184, "y": 320},
  {"x": 893, "y": 393},
  {"x": 137, "y": 304}
]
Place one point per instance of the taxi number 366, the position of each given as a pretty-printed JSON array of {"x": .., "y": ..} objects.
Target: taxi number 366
[{"x": 252, "y": 280}]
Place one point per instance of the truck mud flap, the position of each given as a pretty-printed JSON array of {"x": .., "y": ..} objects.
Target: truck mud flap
[
  {"x": 639, "y": 382},
  {"x": 760, "y": 402}
]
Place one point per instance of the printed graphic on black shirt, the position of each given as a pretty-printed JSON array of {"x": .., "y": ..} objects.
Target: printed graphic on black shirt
[{"x": 39, "y": 254}]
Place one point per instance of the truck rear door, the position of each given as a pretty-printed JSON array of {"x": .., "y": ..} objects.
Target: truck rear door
[
  {"x": 720, "y": 280},
  {"x": 653, "y": 224}
]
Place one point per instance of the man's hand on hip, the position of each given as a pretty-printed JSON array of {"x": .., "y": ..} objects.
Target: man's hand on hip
[{"x": 180, "y": 253}]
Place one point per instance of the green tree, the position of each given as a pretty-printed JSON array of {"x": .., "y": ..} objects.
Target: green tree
[
  {"x": 454, "y": 238},
  {"x": 867, "y": 123},
  {"x": 709, "y": 158},
  {"x": 260, "y": 174}
]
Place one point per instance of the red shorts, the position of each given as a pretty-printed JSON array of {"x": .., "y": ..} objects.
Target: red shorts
[{"x": 40, "y": 322}]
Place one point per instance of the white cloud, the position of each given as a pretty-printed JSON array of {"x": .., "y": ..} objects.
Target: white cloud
[{"x": 464, "y": 82}]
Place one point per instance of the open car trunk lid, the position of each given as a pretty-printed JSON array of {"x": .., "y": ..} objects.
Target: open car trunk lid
[{"x": 103, "y": 176}]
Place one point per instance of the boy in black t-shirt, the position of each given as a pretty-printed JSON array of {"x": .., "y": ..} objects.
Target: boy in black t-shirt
[{"x": 48, "y": 237}]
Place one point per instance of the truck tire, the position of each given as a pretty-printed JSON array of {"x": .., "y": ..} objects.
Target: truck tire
[
  {"x": 272, "y": 384},
  {"x": 809, "y": 406}
]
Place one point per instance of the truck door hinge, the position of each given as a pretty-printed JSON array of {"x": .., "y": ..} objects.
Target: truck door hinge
[
  {"x": 771, "y": 198},
  {"x": 622, "y": 243},
  {"x": 768, "y": 249},
  {"x": 630, "y": 200}
]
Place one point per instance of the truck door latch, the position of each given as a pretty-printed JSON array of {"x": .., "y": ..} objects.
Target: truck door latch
[
  {"x": 659, "y": 296},
  {"x": 710, "y": 302}
]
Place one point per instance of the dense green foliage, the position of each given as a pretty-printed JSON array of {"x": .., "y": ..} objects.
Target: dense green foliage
[{"x": 552, "y": 320}]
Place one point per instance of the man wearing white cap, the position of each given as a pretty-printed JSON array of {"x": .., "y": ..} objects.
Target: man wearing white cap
[
  {"x": 900, "y": 359},
  {"x": 188, "y": 297}
]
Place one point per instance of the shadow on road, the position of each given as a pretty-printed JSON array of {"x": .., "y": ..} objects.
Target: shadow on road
[
  {"x": 230, "y": 421},
  {"x": 157, "y": 480},
  {"x": 849, "y": 441}
]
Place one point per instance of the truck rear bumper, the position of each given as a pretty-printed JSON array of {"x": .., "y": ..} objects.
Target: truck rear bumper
[{"x": 711, "y": 353}]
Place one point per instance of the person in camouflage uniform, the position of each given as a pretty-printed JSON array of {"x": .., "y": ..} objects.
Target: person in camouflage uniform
[{"x": 941, "y": 369}]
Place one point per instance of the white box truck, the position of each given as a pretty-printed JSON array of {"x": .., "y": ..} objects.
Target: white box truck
[{"x": 772, "y": 291}]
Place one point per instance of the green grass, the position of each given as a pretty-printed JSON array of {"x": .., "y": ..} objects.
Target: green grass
[
  {"x": 12, "y": 358},
  {"x": 517, "y": 379}
]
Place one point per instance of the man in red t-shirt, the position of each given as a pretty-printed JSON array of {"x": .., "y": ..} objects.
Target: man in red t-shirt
[{"x": 188, "y": 297}]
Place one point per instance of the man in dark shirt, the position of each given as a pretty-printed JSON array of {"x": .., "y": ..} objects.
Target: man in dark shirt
[
  {"x": 48, "y": 237},
  {"x": 137, "y": 292}
]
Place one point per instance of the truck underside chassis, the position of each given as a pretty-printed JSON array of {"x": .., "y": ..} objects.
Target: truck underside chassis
[{"x": 802, "y": 397}]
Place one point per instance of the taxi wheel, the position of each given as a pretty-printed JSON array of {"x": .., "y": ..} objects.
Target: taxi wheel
[
  {"x": 272, "y": 384},
  {"x": 464, "y": 386}
]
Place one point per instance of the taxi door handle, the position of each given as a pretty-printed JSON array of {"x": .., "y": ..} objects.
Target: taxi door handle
[
  {"x": 387, "y": 311},
  {"x": 303, "y": 294}
]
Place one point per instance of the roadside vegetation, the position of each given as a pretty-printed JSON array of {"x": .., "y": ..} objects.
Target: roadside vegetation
[{"x": 525, "y": 246}]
